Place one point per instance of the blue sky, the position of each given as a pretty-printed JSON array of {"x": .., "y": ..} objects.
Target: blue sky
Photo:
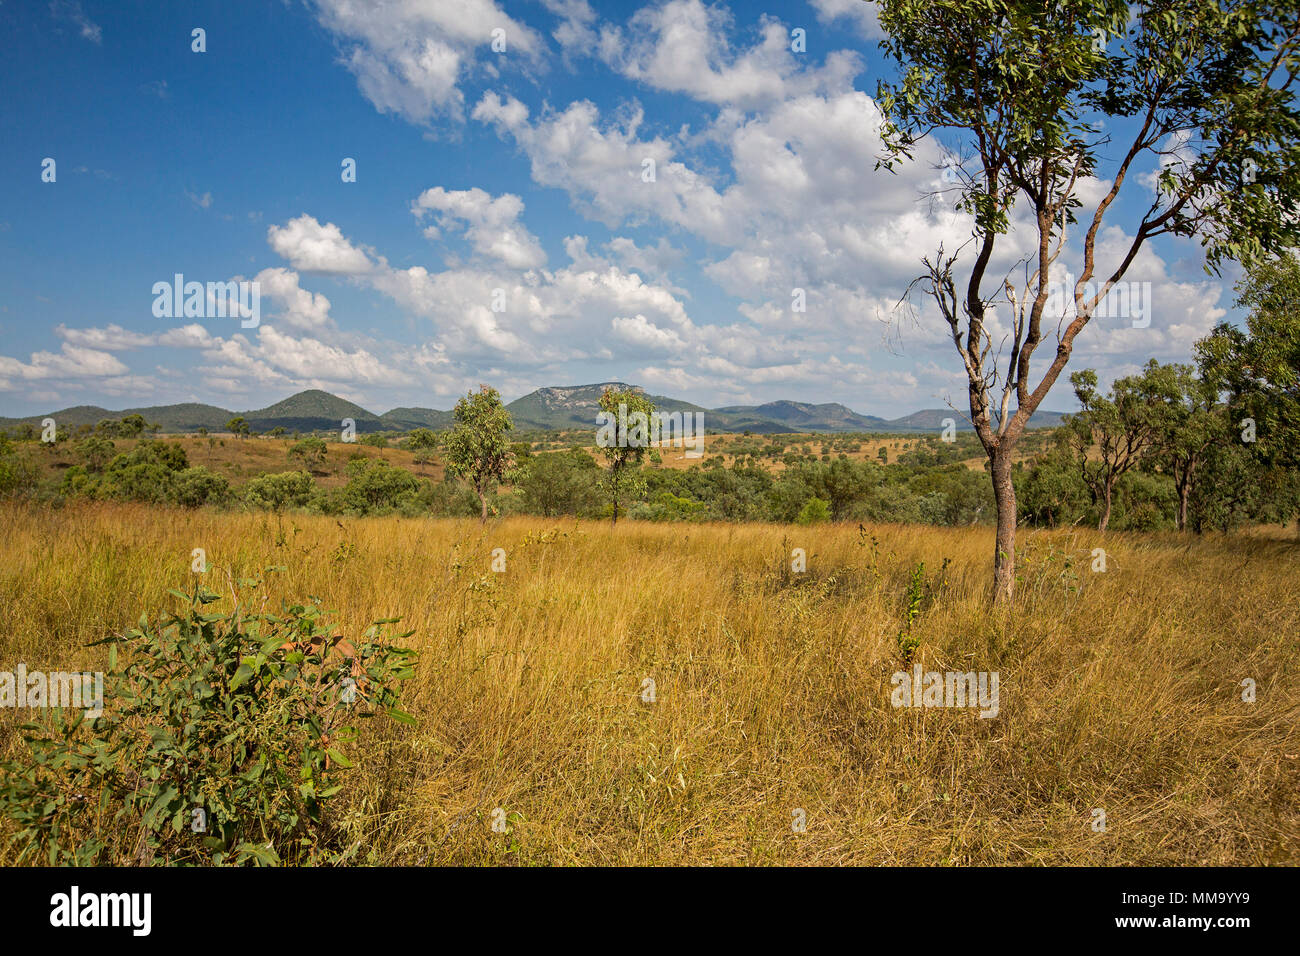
[{"x": 481, "y": 170}]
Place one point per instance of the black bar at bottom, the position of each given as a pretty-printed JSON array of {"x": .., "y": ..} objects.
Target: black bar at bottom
[{"x": 949, "y": 906}]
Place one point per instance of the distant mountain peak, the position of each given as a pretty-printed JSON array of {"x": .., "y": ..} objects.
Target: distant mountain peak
[
  {"x": 549, "y": 408},
  {"x": 581, "y": 393}
]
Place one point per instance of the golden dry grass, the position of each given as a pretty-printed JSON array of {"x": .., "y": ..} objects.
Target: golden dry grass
[{"x": 1119, "y": 690}]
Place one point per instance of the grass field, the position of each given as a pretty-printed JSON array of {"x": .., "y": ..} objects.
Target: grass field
[{"x": 1119, "y": 691}]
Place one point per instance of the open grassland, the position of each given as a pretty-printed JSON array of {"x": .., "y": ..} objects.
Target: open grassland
[{"x": 1119, "y": 691}]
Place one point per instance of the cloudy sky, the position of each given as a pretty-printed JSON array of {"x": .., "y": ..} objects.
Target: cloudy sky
[{"x": 502, "y": 227}]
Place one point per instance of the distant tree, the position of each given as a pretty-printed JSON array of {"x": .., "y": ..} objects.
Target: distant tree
[
  {"x": 197, "y": 486},
  {"x": 1122, "y": 426},
  {"x": 146, "y": 473},
  {"x": 478, "y": 449},
  {"x": 18, "y": 474},
  {"x": 279, "y": 491},
  {"x": 1049, "y": 487},
  {"x": 129, "y": 426},
  {"x": 311, "y": 452},
  {"x": 132, "y": 426},
  {"x": 623, "y": 438},
  {"x": 1194, "y": 420},
  {"x": 238, "y": 426},
  {"x": 1259, "y": 367},
  {"x": 1230, "y": 489},
  {"x": 421, "y": 438},
  {"x": 96, "y": 452},
  {"x": 843, "y": 482},
  {"x": 421, "y": 442},
  {"x": 77, "y": 482}
]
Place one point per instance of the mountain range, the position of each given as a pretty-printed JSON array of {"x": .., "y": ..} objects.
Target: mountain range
[{"x": 545, "y": 409}]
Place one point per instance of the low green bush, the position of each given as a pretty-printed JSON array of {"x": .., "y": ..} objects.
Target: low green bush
[{"x": 221, "y": 741}]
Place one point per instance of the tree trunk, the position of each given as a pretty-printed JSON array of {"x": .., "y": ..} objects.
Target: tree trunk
[
  {"x": 483, "y": 499},
  {"x": 1105, "y": 509},
  {"x": 613, "y": 519},
  {"x": 1004, "y": 493},
  {"x": 1184, "y": 493}
]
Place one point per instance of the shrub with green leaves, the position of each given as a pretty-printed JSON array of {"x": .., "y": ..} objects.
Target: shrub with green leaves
[
  {"x": 375, "y": 486},
  {"x": 96, "y": 451},
  {"x": 222, "y": 741},
  {"x": 146, "y": 473},
  {"x": 17, "y": 473},
  {"x": 667, "y": 506},
  {"x": 77, "y": 482},
  {"x": 814, "y": 511},
  {"x": 197, "y": 486},
  {"x": 277, "y": 492},
  {"x": 311, "y": 452}
]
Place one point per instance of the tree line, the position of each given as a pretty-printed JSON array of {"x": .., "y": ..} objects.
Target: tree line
[{"x": 1209, "y": 446}]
